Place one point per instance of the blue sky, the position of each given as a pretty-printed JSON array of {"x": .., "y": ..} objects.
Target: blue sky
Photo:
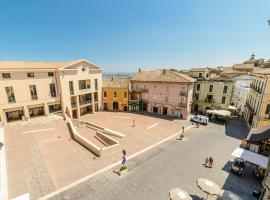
[{"x": 123, "y": 35}]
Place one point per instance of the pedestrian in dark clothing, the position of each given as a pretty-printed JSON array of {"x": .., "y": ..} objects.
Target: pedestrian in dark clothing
[
  {"x": 183, "y": 129},
  {"x": 211, "y": 160}
]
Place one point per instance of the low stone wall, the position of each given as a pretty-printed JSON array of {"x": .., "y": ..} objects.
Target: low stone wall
[
  {"x": 89, "y": 145},
  {"x": 99, "y": 128},
  {"x": 110, "y": 141}
]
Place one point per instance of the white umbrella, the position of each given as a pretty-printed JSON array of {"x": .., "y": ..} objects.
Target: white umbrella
[
  {"x": 232, "y": 108},
  {"x": 228, "y": 195},
  {"x": 178, "y": 194},
  {"x": 207, "y": 186}
]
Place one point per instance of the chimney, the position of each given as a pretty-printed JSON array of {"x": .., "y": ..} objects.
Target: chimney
[
  {"x": 164, "y": 71},
  {"x": 112, "y": 79},
  {"x": 140, "y": 70}
]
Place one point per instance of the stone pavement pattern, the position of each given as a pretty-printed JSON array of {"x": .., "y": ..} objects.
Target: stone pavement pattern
[
  {"x": 41, "y": 162},
  {"x": 173, "y": 164}
]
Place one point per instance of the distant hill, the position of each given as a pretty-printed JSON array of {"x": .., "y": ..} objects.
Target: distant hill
[{"x": 119, "y": 74}]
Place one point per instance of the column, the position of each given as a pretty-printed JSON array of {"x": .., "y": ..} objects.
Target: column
[
  {"x": 26, "y": 113},
  {"x": 93, "y": 102},
  {"x": 78, "y": 107},
  {"x": 46, "y": 109}
]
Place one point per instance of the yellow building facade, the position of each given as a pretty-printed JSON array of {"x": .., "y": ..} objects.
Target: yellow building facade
[
  {"x": 215, "y": 93},
  {"x": 115, "y": 94},
  {"x": 257, "y": 112}
]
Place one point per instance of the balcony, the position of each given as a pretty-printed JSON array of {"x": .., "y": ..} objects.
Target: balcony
[
  {"x": 73, "y": 105},
  {"x": 85, "y": 102},
  {"x": 183, "y": 93},
  {"x": 71, "y": 92},
  {"x": 139, "y": 90},
  {"x": 249, "y": 107},
  {"x": 256, "y": 88},
  {"x": 182, "y": 104}
]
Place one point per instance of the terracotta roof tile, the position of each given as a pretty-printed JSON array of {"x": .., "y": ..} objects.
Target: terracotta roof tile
[
  {"x": 115, "y": 82},
  {"x": 162, "y": 75}
]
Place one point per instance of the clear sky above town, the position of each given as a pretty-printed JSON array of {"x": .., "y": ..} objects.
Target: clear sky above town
[{"x": 121, "y": 35}]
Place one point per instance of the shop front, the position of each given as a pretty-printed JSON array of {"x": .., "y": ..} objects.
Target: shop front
[
  {"x": 54, "y": 108},
  {"x": 36, "y": 111},
  {"x": 14, "y": 114}
]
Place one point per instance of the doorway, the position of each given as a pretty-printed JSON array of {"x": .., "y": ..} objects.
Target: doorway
[
  {"x": 155, "y": 109},
  {"x": 115, "y": 105},
  {"x": 165, "y": 111}
]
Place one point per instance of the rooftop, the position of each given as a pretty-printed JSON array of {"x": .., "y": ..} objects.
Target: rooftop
[
  {"x": 115, "y": 82},
  {"x": 162, "y": 75}
]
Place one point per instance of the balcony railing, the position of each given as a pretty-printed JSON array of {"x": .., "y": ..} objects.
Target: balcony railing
[
  {"x": 183, "y": 93},
  {"x": 256, "y": 88},
  {"x": 139, "y": 90},
  {"x": 85, "y": 102},
  {"x": 73, "y": 105},
  {"x": 182, "y": 104},
  {"x": 249, "y": 107}
]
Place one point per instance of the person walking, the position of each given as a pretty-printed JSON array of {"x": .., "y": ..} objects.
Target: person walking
[
  {"x": 211, "y": 160},
  {"x": 133, "y": 123},
  {"x": 206, "y": 161},
  {"x": 183, "y": 129}
]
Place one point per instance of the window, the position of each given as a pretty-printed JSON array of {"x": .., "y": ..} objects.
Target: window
[
  {"x": 155, "y": 86},
  {"x": 210, "y": 97},
  {"x": 10, "y": 94},
  {"x": 84, "y": 84},
  {"x": 183, "y": 88},
  {"x": 267, "y": 111},
  {"x": 137, "y": 87},
  {"x": 50, "y": 74},
  {"x": 6, "y": 75},
  {"x": 30, "y": 74},
  {"x": 71, "y": 89},
  {"x": 223, "y": 100},
  {"x": 225, "y": 89},
  {"x": 166, "y": 99},
  {"x": 198, "y": 87},
  {"x": 53, "y": 90},
  {"x": 96, "y": 84},
  {"x": 114, "y": 94},
  {"x": 197, "y": 95},
  {"x": 200, "y": 75},
  {"x": 211, "y": 88},
  {"x": 144, "y": 86},
  {"x": 33, "y": 92},
  {"x": 104, "y": 94},
  {"x": 125, "y": 94},
  {"x": 167, "y": 88},
  {"x": 54, "y": 108}
]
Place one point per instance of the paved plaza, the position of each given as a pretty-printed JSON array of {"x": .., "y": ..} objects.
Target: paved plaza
[
  {"x": 42, "y": 157},
  {"x": 173, "y": 164}
]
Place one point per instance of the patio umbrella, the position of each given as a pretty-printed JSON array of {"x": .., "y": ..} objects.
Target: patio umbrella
[
  {"x": 232, "y": 108},
  {"x": 207, "y": 186},
  {"x": 178, "y": 194},
  {"x": 228, "y": 195}
]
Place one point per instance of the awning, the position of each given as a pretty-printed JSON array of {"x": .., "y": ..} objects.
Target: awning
[
  {"x": 251, "y": 157},
  {"x": 259, "y": 134},
  {"x": 224, "y": 113}
]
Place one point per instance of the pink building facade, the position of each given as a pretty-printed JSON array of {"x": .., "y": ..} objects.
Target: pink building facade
[{"x": 163, "y": 92}]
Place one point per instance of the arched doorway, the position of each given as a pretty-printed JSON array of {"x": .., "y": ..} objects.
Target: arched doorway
[
  {"x": 196, "y": 108},
  {"x": 115, "y": 105},
  {"x": 155, "y": 109}
]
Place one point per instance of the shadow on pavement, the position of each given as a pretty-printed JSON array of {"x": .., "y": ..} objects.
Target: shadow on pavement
[
  {"x": 242, "y": 185},
  {"x": 195, "y": 197},
  {"x": 236, "y": 128}
]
